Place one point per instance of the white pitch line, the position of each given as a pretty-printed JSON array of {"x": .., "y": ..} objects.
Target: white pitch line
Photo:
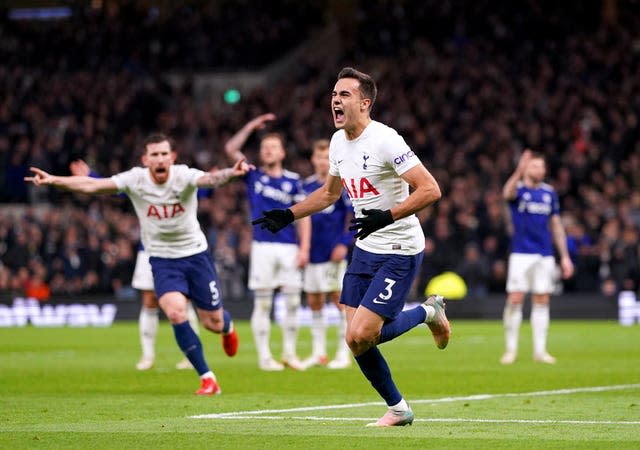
[
  {"x": 442, "y": 420},
  {"x": 256, "y": 413}
]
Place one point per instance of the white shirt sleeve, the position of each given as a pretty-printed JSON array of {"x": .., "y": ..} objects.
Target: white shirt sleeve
[
  {"x": 333, "y": 162},
  {"x": 398, "y": 154},
  {"x": 124, "y": 180}
]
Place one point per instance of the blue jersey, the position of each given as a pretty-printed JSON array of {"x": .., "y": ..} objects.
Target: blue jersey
[
  {"x": 531, "y": 210},
  {"x": 264, "y": 193},
  {"x": 328, "y": 226}
]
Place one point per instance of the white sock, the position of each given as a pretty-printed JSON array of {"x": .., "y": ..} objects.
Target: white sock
[
  {"x": 290, "y": 323},
  {"x": 261, "y": 322},
  {"x": 431, "y": 312},
  {"x": 148, "y": 327},
  {"x": 512, "y": 318},
  {"x": 318, "y": 333},
  {"x": 539, "y": 327},
  {"x": 343, "y": 351},
  {"x": 208, "y": 374},
  {"x": 193, "y": 318},
  {"x": 400, "y": 406}
]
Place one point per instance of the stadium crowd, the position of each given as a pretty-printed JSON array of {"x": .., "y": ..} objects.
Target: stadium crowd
[{"x": 469, "y": 89}]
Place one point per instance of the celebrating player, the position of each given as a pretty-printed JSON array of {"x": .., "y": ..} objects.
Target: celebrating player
[
  {"x": 376, "y": 167},
  {"x": 164, "y": 198},
  {"x": 149, "y": 317}
]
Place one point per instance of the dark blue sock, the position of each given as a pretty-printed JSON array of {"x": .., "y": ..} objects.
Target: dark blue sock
[
  {"x": 190, "y": 344},
  {"x": 227, "y": 321},
  {"x": 375, "y": 368},
  {"x": 405, "y": 321}
]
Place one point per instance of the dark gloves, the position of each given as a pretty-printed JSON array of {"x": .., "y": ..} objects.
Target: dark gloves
[
  {"x": 373, "y": 220},
  {"x": 274, "y": 220}
]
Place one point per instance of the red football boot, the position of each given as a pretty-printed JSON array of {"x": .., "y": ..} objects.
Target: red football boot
[
  {"x": 208, "y": 386},
  {"x": 230, "y": 343}
]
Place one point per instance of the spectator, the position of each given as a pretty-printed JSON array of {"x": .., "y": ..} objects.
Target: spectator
[
  {"x": 569, "y": 91},
  {"x": 475, "y": 271},
  {"x": 36, "y": 286}
]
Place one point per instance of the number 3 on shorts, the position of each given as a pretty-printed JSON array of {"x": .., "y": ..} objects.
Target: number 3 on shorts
[{"x": 388, "y": 292}]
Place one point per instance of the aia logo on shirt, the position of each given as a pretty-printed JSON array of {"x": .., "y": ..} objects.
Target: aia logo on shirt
[
  {"x": 164, "y": 211},
  {"x": 359, "y": 187}
]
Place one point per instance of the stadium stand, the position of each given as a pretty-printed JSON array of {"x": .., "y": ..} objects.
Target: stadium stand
[{"x": 469, "y": 85}]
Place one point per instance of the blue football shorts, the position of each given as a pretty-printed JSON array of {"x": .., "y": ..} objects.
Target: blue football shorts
[
  {"x": 380, "y": 283},
  {"x": 195, "y": 276}
]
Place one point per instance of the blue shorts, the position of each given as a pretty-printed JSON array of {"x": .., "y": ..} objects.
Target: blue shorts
[
  {"x": 380, "y": 283},
  {"x": 195, "y": 276}
]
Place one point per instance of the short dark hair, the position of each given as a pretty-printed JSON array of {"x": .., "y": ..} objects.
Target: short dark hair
[
  {"x": 320, "y": 144},
  {"x": 156, "y": 138},
  {"x": 368, "y": 88}
]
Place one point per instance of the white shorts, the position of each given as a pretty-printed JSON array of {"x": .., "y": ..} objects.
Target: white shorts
[
  {"x": 324, "y": 277},
  {"x": 530, "y": 273},
  {"x": 273, "y": 265},
  {"x": 142, "y": 275}
]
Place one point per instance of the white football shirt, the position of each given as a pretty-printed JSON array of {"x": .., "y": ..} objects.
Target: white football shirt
[
  {"x": 370, "y": 167},
  {"x": 167, "y": 212}
]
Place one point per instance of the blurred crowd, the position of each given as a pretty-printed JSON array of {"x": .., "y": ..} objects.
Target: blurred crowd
[{"x": 469, "y": 89}]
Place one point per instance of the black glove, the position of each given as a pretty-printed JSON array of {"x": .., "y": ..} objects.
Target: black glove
[
  {"x": 373, "y": 220},
  {"x": 274, "y": 220}
]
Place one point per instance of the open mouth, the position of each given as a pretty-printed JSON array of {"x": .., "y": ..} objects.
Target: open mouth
[
  {"x": 161, "y": 170},
  {"x": 338, "y": 114}
]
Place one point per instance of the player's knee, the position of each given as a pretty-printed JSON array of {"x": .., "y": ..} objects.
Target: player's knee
[
  {"x": 360, "y": 340},
  {"x": 149, "y": 299},
  {"x": 262, "y": 304},
  {"x": 292, "y": 297},
  {"x": 516, "y": 298},
  {"x": 176, "y": 315}
]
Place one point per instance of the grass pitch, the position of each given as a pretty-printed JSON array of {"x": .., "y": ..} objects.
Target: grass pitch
[{"x": 78, "y": 388}]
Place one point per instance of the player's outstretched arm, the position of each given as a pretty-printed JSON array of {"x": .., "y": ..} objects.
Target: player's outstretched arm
[
  {"x": 233, "y": 147},
  {"x": 219, "y": 177},
  {"x": 275, "y": 220},
  {"x": 326, "y": 195},
  {"x": 81, "y": 184}
]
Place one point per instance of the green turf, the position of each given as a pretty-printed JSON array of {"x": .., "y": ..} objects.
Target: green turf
[{"x": 77, "y": 388}]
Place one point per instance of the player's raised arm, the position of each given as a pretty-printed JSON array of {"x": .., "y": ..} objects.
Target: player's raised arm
[
  {"x": 511, "y": 186},
  {"x": 81, "y": 184},
  {"x": 218, "y": 178},
  {"x": 233, "y": 147}
]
